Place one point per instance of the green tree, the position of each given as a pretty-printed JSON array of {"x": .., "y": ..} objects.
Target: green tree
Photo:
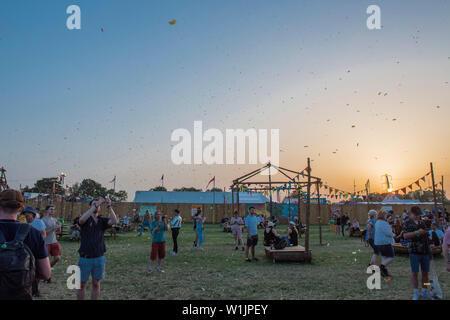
[
  {"x": 214, "y": 189},
  {"x": 92, "y": 189},
  {"x": 160, "y": 188},
  {"x": 118, "y": 196},
  {"x": 183, "y": 189},
  {"x": 45, "y": 185}
]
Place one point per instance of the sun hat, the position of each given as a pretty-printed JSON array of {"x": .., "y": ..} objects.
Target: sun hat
[
  {"x": 372, "y": 213},
  {"x": 30, "y": 210},
  {"x": 270, "y": 224}
]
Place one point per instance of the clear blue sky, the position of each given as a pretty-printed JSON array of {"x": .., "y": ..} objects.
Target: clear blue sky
[{"x": 98, "y": 104}]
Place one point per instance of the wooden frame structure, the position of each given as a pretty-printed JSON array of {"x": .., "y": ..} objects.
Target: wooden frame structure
[{"x": 290, "y": 176}]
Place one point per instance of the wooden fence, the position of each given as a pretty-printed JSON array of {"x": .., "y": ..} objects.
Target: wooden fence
[{"x": 70, "y": 210}]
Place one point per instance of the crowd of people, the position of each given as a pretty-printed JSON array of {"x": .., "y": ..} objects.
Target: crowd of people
[
  {"x": 29, "y": 242},
  {"x": 417, "y": 230}
]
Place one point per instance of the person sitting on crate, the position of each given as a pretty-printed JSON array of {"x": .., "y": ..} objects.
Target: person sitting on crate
[
  {"x": 272, "y": 239},
  {"x": 292, "y": 234},
  {"x": 354, "y": 228}
]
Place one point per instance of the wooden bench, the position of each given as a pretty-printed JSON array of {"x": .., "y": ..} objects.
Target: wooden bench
[
  {"x": 288, "y": 254},
  {"x": 401, "y": 249}
]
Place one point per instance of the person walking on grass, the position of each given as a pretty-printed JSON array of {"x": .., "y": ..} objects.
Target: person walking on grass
[
  {"x": 236, "y": 229},
  {"x": 31, "y": 218},
  {"x": 384, "y": 237},
  {"x": 23, "y": 255},
  {"x": 175, "y": 226},
  {"x": 146, "y": 223},
  {"x": 251, "y": 224},
  {"x": 344, "y": 221},
  {"x": 158, "y": 227},
  {"x": 370, "y": 235},
  {"x": 337, "y": 218},
  {"x": 92, "y": 247},
  {"x": 51, "y": 225},
  {"x": 194, "y": 220},
  {"x": 414, "y": 231},
  {"x": 200, "y": 220}
]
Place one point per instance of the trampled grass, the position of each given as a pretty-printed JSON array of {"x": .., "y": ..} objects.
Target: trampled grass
[{"x": 337, "y": 271}]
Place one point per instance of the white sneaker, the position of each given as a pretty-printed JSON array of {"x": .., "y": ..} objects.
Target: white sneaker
[
  {"x": 159, "y": 269},
  {"x": 173, "y": 253},
  {"x": 200, "y": 248},
  {"x": 52, "y": 268},
  {"x": 149, "y": 271}
]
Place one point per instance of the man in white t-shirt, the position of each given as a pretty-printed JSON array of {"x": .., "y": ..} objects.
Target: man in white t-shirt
[{"x": 51, "y": 225}]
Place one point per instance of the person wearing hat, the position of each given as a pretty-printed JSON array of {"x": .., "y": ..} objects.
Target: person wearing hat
[
  {"x": 175, "y": 226},
  {"x": 31, "y": 218},
  {"x": 270, "y": 234},
  {"x": 11, "y": 203},
  {"x": 414, "y": 231},
  {"x": 292, "y": 234}
]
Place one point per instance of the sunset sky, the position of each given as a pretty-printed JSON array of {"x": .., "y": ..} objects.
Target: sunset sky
[{"x": 104, "y": 100}]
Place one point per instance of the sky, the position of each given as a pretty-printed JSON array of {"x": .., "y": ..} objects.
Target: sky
[{"x": 103, "y": 101}]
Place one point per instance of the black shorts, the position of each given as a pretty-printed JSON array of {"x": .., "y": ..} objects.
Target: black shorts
[
  {"x": 252, "y": 241},
  {"x": 385, "y": 250}
]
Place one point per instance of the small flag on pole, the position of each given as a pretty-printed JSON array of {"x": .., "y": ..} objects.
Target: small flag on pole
[{"x": 210, "y": 182}]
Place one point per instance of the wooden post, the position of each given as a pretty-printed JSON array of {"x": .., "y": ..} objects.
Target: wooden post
[
  {"x": 232, "y": 199},
  {"x": 308, "y": 208},
  {"x": 238, "y": 204},
  {"x": 443, "y": 194},
  {"x": 434, "y": 188},
  {"x": 318, "y": 208},
  {"x": 270, "y": 192},
  {"x": 225, "y": 211},
  {"x": 289, "y": 200},
  {"x": 298, "y": 201}
]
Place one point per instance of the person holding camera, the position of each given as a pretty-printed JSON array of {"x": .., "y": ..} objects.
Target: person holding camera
[
  {"x": 175, "y": 226},
  {"x": 92, "y": 248},
  {"x": 416, "y": 233},
  {"x": 158, "y": 228}
]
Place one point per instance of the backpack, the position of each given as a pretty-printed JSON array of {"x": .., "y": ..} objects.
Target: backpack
[
  {"x": 17, "y": 266},
  {"x": 280, "y": 244}
]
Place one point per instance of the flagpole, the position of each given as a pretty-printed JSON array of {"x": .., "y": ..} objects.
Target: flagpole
[
  {"x": 214, "y": 200},
  {"x": 434, "y": 189},
  {"x": 114, "y": 188}
]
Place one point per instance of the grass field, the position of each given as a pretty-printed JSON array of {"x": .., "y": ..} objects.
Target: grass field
[{"x": 220, "y": 272}]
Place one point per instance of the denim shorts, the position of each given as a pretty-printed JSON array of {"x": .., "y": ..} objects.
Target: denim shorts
[
  {"x": 419, "y": 259},
  {"x": 94, "y": 266}
]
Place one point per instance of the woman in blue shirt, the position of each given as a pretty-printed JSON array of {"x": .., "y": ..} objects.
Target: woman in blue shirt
[
  {"x": 199, "y": 220},
  {"x": 383, "y": 240}
]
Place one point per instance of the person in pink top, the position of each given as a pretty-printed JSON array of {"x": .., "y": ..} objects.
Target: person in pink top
[{"x": 446, "y": 248}]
